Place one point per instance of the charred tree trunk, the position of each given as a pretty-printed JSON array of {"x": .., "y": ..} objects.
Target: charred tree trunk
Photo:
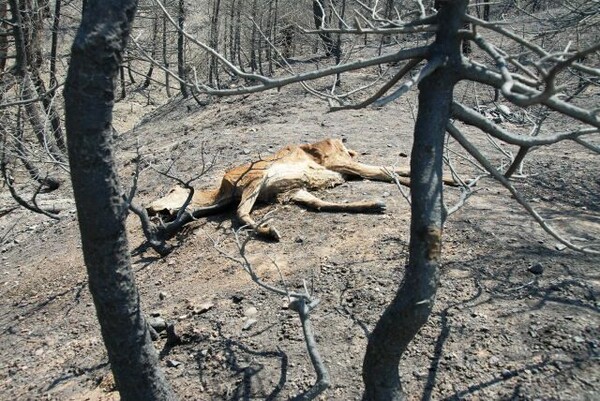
[
  {"x": 253, "y": 46},
  {"x": 54, "y": 46},
  {"x": 414, "y": 300},
  {"x": 148, "y": 78},
  {"x": 3, "y": 36},
  {"x": 89, "y": 99},
  {"x": 166, "y": 56},
  {"x": 319, "y": 18},
  {"x": 24, "y": 69},
  {"x": 213, "y": 70},
  {"x": 181, "y": 49},
  {"x": 238, "y": 29}
]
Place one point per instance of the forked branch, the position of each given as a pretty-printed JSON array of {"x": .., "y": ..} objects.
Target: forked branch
[{"x": 301, "y": 302}]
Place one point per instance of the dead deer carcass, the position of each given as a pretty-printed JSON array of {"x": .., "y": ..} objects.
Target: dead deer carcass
[{"x": 287, "y": 175}]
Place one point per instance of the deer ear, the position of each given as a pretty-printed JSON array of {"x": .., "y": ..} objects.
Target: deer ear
[{"x": 313, "y": 151}]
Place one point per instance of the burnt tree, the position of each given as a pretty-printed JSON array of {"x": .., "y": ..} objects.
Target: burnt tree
[
  {"x": 413, "y": 302},
  {"x": 89, "y": 99}
]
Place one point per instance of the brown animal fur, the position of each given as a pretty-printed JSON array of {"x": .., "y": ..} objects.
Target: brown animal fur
[{"x": 286, "y": 176}]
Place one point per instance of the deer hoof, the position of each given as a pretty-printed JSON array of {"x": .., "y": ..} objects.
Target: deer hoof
[{"x": 379, "y": 207}]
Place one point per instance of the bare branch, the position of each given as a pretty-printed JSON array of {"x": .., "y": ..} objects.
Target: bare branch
[
  {"x": 460, "y": 138},
  {"x": 428, "y": 69},
  {"x": 480, "y": 73},
  {"x": 473, "y": 118},
  {"x": 32, "y": 204},
  {"x": 391, "y": 82},
  {"x": 266, "y": 83}
]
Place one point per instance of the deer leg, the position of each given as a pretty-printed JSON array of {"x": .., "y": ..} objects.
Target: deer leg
[
  {"x": 244, "y": 209},
  {"x": 378, "y": 173},
  {"x": 310, "y": 201}
]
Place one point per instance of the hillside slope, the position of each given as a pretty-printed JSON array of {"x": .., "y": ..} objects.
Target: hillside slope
[{"x": 498, "y": 331}]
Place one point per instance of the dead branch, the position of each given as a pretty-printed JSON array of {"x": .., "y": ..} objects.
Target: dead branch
[
  {"x": 427, "y": 70},
  {"x": 301, "y": 302},
  {"x": 266, "y": 83},
  {"x": 480, "y": 73},
  {"x": 32, "y": 203},
  {"x": 471, "y": 149},
  {"x": 391, "y": 82},
  {"x": 471, "y": 117}
]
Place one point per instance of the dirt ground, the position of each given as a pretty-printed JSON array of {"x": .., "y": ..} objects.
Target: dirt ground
[{"x": 498, "y": 331}]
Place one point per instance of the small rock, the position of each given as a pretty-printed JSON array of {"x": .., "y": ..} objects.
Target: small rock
[
  {"x": 162, "y": 295},
  {"x": 172, "y": 363},
  {"x": 203, "y": 308},
  {"x": 246, "y": 151},
  {"x": 507, "y": 373},
  {"x": 578, "y": 339},
  {"x": 494, "y": 360},
  {"x": 299, "y": 240},
  {"x": 157, "y": 323},
  {"x": 251, "y": 311},
  {"x": 536, "y": 268},
  {"x": 402, "y": 154},
  {"x": 560, "y": 247},
  {"x": 237, "y": 298},
  {"x": 249, "y": 323}
]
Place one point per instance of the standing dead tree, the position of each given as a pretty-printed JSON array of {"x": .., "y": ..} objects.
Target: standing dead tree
[
  {"x": 32, "y": 134},
  {"x": 96, "y": 56}
]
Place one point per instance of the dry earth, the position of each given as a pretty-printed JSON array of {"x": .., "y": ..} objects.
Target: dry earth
[{"x": 498, "y": 330}]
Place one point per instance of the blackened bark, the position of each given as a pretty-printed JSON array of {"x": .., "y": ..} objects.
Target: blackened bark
[
  {"x": 181, "y": 50},
  {"x": 166, "y": 56},
  {"x": 89, "y": 99},
  {"x": 319, "y": 17},
  {"x": 148, "y": 78},
  {"x": 3, "y": 37},
  {"x": 54, "y": 46},
  {"x": 414, "y": 300}
]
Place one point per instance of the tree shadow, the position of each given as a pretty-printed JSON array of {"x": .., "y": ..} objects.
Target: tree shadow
[
  {"x": 76, "y": 372},
  {"x": 558, "y": 284},
  {"x": 507, "y": 375},
  {"x": 440, "y": 342},
  {"x": 34, "y": 309},
  {"x": 244, "y": 363}
]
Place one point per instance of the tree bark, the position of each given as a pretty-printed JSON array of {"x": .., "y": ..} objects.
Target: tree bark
[
  {"x": 89, "y": 99},
  {"x": 148, "y": 78},
  {"x": 3, "y": 36},
  {"x": 166, "y": 56},
  {"x": 181, "y": 50},
  {"x": 319, "y": 18},
  {"x": 414, "y": 300}
]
